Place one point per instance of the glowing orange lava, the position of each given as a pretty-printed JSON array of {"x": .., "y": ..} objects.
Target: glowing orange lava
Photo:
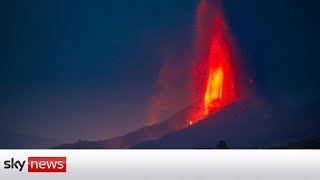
[
  {"x": 214, "y": 89},
  {"x": 215, "y": 76}
]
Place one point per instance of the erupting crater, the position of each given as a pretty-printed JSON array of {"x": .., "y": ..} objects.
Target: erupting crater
[{"x": 215, "y": 75}]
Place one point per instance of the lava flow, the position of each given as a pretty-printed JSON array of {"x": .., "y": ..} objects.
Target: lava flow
[{"x": 214, "y": 72}]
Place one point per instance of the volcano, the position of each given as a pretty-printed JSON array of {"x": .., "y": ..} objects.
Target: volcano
[
  {"x": 219, "y": 113},
  {"x": 214, "y": 87}
]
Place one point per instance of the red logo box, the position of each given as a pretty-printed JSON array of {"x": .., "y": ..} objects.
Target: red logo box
[{"x": 47, "y": 164}]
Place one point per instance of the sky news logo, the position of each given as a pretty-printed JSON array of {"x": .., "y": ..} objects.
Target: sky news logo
[{"x": 38, "y": 164}]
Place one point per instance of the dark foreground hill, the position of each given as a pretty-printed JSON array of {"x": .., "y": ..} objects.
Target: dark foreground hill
[
  {"x": 245, "y": 124},
  {"x": 310, "y": 143}
]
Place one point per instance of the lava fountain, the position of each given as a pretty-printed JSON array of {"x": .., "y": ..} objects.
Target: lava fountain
[{"x": 215, "y": 75}]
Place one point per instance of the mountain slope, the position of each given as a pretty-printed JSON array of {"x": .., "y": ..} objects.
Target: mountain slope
[
  {"x": 244, "y": 124},
  {"x": 174, "y": 123}
]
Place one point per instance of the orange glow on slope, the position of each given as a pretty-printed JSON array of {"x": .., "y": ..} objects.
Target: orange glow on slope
[{"x": 215, "y": 76}]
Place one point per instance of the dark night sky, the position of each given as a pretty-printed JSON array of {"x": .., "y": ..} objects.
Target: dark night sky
[{"x": 86, "y": 69}]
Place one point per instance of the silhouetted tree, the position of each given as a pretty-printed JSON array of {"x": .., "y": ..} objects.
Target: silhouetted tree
[{"x": 222, "y": 145}]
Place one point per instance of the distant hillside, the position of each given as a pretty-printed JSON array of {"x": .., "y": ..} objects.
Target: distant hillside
[
  {"x": 10, "y": 140},
  {"x": 174, "y": 123}
]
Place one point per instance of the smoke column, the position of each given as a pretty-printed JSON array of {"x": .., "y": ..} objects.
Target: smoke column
[{"x": 172, "y": 89}]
